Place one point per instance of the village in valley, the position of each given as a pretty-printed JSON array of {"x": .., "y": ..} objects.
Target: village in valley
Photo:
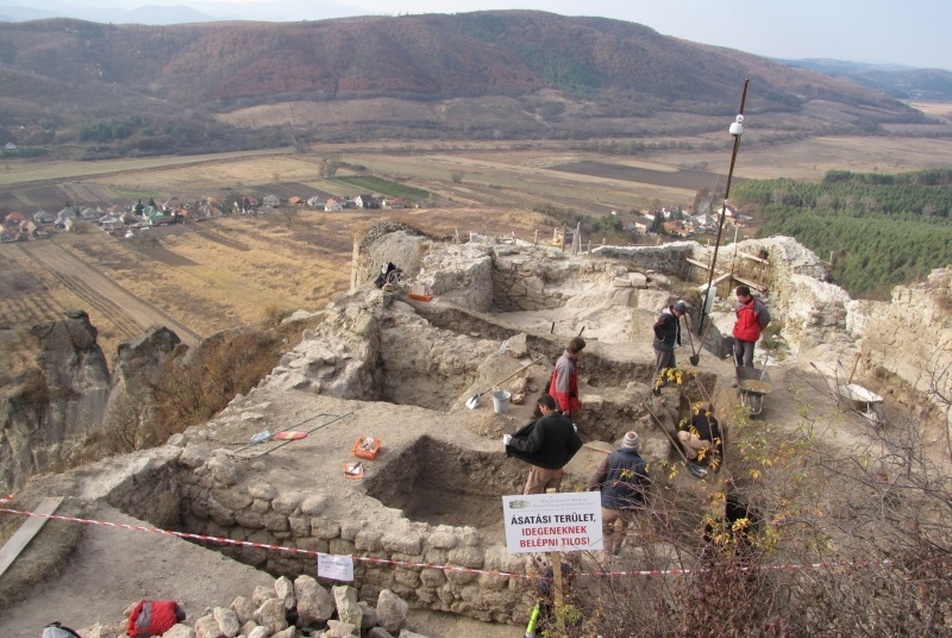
[{"x": 125, "y": 220}]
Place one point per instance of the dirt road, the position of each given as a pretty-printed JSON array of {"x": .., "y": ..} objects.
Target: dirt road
[{"x": 129, "y": 314}]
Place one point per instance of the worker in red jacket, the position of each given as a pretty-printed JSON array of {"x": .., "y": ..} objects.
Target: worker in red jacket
[
  {"x": 752, "y": 318},
  {"x": 563, "y": 386}
]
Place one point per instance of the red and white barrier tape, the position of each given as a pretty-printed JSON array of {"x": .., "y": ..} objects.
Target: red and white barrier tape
[
  {"x": 405, "y": 564},
  {"x": 280, "y": 548}
]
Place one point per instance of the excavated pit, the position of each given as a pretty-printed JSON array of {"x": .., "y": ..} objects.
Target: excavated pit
[{"x": 440, "y": 484}]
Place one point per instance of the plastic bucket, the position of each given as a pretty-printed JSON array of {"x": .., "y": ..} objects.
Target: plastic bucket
[{"x": 501, "y": 401}]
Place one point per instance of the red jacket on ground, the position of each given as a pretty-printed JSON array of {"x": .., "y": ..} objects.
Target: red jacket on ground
[{"x": 153, "y": 618}]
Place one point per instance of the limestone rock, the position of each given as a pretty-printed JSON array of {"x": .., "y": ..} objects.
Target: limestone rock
[
  {"x": 284, "y": 589},
  {"x": 177, "y": 631},
  {"x": 271, "y": 614},
  {"x": 262, "y": 594},
  {"x": 207, "y": 627},
  {"x": 340, "y": 629},
  {"x": 391, "y": 611},
  {"x": 369, "y": 615},
  {"x": 345, "y": 598},
  {"x": 227, "y": 621},
  {"x": 315, "y": 605}
]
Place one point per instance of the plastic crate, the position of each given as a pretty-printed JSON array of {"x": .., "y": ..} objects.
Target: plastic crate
[{"x": 367, "y": 447}]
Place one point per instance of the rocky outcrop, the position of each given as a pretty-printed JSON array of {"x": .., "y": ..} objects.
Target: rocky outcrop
[
  {"x": 135, "y": 375},
  {"x": 60, "y": 401},
  {"x": 72, "y": 393},
  {"x": 76, "y": 373}
]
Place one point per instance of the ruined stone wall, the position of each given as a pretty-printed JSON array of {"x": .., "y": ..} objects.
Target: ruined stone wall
[
  {"x": 213, "y": 501},
  {"x": 911, "y": 335},
  {"x": 541, "y": 278},
  {"x": 393, "y": 242},
  {"x": 461, "y": 274},
  {"x": 670, "y": 259}
]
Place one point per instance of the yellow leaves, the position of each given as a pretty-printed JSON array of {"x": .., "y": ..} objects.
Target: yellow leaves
[
  {"x": 755, "y": 473},
  {"x": 673, "y": 376}
]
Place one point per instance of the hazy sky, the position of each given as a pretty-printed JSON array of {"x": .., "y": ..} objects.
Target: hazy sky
[
  {"x": 915, "y": 33},
  {"x": 911, "y": 32}
]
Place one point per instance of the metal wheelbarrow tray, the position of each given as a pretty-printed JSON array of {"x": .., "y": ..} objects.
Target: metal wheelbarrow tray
[
  {"x": 753, "y": 384},
  {"x": 866, "y": 402}
]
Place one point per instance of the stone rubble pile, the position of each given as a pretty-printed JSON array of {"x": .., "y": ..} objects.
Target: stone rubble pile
[{"x": 299, "y": 609}]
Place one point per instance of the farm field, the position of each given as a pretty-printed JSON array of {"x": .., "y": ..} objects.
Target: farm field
[
  {"x": 201, "y": 278},
  {"x": 197, "y": 279}
]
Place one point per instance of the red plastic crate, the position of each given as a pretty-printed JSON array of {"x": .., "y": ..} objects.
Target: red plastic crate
[{"x": 367, "y": 447}]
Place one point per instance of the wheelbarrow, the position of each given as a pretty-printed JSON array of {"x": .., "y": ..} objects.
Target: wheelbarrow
[
  {"x": 864, "y": 402},
  {"x": 753, "y": 385}
]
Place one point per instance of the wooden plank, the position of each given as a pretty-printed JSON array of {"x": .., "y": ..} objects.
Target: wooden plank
[
  {"x": 30, "y": 527},
  {"x": 750, "y": 283},
  {"x": 755, "y": 258}
]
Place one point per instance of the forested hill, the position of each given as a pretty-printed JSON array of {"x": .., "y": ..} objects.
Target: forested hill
[
  {"x": 475, "y": 75},
  {"x": 881, "y": 229}
]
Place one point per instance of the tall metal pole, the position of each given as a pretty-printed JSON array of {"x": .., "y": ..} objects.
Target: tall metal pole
[{"x": 736, "y": 129}]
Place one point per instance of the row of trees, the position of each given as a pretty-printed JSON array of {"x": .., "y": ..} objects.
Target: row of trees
[{"x": 879, "y": 230}]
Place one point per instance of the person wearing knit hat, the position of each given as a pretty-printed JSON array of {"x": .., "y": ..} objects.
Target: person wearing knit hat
[
  {"x": 631, "y": 441},
  {"x": 667, "y": 335},
  {"x": 623, "y": 480}
]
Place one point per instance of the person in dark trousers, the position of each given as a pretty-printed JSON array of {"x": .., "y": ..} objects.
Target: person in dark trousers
[
  {"x": 623, "y": 481},
  {"x": 547, "y": 443},
  {"x": 563, "y": 386},
  {"x": 667, "y": 335},
  {"x": 752, "y": 318},
  {"x": 701, "y": 437}
]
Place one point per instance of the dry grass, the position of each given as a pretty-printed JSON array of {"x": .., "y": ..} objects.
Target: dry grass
[
  {"x": 215, "y": 275},
  {"x": 233, "y": 271}
]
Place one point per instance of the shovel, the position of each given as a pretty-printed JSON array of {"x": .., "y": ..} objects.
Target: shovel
[
  {"x": 476, "y": 400},
  {"x": 696, "y": 470},
  {"x": 695, "y": 355}
]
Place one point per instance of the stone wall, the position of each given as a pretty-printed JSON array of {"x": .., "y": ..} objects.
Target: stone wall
[
  {"x": 212, "y": 499},
  {"x": 911, "y": 335}
]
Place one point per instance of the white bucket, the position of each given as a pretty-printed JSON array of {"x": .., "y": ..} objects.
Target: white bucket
[{"x": 501, "y": 401}]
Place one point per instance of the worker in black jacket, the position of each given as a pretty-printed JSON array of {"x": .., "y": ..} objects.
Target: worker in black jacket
[
  {"x": 548, "y": 444},
  {"x": 667, "y": 335}
]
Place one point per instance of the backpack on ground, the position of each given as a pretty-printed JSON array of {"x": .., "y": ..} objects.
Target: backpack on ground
[
  {"x": 389, "y": 274},
  {"x": 153, "y": 618},
  {"x": 57, "y": 630}
]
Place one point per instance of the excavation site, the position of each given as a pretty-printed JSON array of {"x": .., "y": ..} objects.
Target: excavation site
[{"x": 379, "y": 437}]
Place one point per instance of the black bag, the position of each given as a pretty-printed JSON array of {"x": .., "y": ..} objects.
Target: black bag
[{"x": 389, "y": 274}]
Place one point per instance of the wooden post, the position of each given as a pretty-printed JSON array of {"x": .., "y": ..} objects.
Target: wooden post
[
  {"x": 853, "y": 371},
  {"x": 558, "y": 600}
]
